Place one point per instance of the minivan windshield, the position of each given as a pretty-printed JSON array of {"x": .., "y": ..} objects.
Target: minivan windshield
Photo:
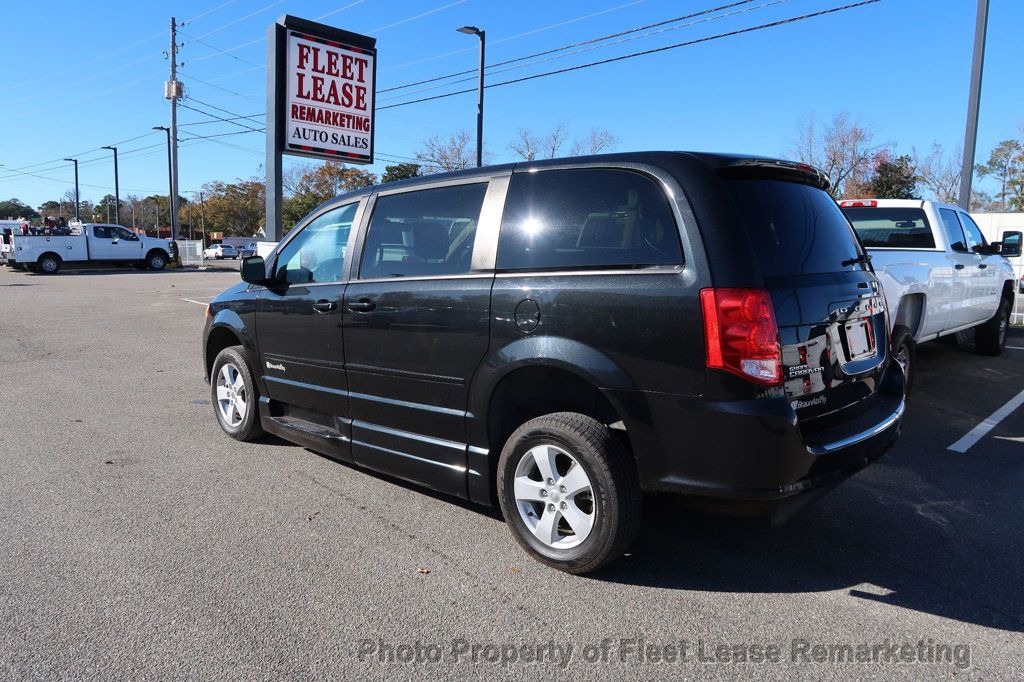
[{"x": 795, "y": 228}]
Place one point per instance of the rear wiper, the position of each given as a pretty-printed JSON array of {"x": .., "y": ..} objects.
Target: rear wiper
[{"x": 863, "y": 259}]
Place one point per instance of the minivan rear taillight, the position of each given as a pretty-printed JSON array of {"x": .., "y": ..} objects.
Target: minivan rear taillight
[{"x": 741, "y": 335}]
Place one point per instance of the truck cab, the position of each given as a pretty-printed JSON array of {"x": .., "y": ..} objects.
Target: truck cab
[{"x": 940, "y": 276}]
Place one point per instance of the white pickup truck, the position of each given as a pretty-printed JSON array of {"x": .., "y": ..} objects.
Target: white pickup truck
[
  {"x": 88, "y": 243},
  {"x": 939, "y": 275}
]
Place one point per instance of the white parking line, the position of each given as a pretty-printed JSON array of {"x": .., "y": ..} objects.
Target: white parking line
[
  {"x": 196, "y": 302},
  {"x": 1015, "y": 347},
  {"x": 979, "y": 431}
]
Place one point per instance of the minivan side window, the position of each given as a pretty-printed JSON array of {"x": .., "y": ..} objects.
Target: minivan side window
[
  {"x": 974, "y": 235},
  {"x": 586, "y": 218},
  {"x": 423, "y": 233},
  {"x": 317, "y": 254},
  {"x": 954, "y": 233}
]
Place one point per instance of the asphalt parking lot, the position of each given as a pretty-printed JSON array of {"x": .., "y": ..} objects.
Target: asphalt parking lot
[{"x": 139, "y": 541}]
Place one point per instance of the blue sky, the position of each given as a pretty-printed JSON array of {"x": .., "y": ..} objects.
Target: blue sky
[{"x": 77, "y": 76}]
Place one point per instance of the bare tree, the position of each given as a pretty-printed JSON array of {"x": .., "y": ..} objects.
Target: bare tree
[
  {"x": 938, "y": 175},
  {"x": 597, "y": 141},
  {"x": 530, "y": 146},
  {"x": 525, "y": 144},
  {"x": 843, "y": 150},
  {"x": 447, "y": 154}
]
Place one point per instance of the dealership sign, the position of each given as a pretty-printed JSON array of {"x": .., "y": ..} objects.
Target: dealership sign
[
  {"x": 323, "y": 91},
  {"x": 320, "y": 99}
]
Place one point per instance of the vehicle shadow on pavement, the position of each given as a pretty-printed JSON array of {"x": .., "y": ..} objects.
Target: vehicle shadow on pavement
[{"x": 948, "y": 562}]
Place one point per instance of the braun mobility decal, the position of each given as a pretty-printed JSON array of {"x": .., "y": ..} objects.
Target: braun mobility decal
[
  {"x": 801, "y": 404},
  {"x": 271, "y": 365}
]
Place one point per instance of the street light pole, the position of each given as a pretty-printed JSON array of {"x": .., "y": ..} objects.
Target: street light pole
[
  {"x": 170, "y": 177},
  {"x": 482, "y": 35},
  {"x": 117, "y": 191},
  {"x": 78, "y": 215},
  {"x": 973, "y": 105}
]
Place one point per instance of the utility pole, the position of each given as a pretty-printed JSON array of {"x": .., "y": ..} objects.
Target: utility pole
[
  {"x": 973, "y": 105},
  {"x": 78, "y": 203},
  {"x": 172, "y": 91}
]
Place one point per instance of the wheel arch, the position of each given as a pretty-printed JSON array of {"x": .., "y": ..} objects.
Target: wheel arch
[
  {"x": 530, "y": 378},
  {"x": 910, "y": 312},
  {"x": 49, "y": 253}
]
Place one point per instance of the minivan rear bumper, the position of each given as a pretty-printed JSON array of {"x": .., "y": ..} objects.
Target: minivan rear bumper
[{"x": 753, "y": 450}]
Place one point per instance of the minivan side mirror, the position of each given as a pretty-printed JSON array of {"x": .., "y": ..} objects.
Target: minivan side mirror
[
  {"x": 1011, "y": 244},
  {"x": 254, "y": 270}
]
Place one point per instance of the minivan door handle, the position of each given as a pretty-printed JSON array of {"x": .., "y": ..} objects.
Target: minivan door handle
[
  {"x": 959, "y": 266},
  {"x": 983, "y": 266},
  {"x": 324, "y": 306},
  {"x": 363, "y": 306}
]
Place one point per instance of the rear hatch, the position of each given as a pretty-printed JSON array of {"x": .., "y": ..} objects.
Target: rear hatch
[{"x": 827, "y": 302}]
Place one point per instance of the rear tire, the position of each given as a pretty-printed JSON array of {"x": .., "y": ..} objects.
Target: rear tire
[
  {"x": 563, "y": 477},
  {"x": 234, "y": 395},
  {"x": 990, "y": 338},
  {"x": 904, "y": 352},
  {"x": 48, "y": 264}
]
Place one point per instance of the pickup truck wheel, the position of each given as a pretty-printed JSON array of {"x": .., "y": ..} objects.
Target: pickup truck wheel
[
  {"x": 156, "y": 261},
  {"x": 990, "y": 338},
  {"x": 904, "y": 352},
  {"x": 234, "y": 395},
  {"x": 569, "y": 492},
  {"x": 49, "y": 265}
]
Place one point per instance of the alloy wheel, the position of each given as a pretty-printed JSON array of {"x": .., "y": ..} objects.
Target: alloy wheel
[
  {"x": 232, "y": 395},
  {"x": 554, "y": 496}
]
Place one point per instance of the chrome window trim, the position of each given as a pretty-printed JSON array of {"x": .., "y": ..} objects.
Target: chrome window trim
[
  {"x": 421, "y": 278},
  {"x": 671, "y": 270}
]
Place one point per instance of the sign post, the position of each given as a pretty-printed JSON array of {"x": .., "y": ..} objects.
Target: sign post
[{"x": 321, "y": 94}]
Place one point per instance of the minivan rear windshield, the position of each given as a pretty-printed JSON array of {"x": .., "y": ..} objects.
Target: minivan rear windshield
[
  {"x": 795, "y": 228},
  {"x": 890, "y": 227}
]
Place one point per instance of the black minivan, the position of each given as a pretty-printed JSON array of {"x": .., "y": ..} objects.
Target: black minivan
[{"x": 559, "y": 336}]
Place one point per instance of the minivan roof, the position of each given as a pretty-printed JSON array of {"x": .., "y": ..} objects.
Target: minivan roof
[{"x": 729, "y": 163}]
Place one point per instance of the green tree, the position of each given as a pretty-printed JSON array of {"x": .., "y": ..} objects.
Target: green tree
[
  {"x": 400, "y": 171},
  {"x": 1006, "y": 165},
  {"x": 237, "y": 209},
  {"x": 894, "y": 179},
  {"x": 316, "y": 185},
  {"x": 15, "y": 209}
]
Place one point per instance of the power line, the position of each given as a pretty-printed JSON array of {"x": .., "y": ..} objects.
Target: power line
[
  {"x": 222, "y": 110},
  {"x": 213, "y": 47},
  {"x": 219, "y": 120},
  {"x": 633, "y": 36},
  {"x": 518, "y": 35},
  {"x": 222, "y": 88},
  {"x": 687, "y": 43},
  {"x": 572, "y": 45},
  {"x": 207, "y": 12},
  {"x": 418, "y": 16}
]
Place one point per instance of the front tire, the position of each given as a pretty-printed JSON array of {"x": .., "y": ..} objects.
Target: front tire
[
  {"x": 569, "y": 492},
  {"x": 234, "y": 395},
  {"x": 990, "y": 338},
  {"x": 904, "y": 352},
  {"x": 156, "y": 261}
]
